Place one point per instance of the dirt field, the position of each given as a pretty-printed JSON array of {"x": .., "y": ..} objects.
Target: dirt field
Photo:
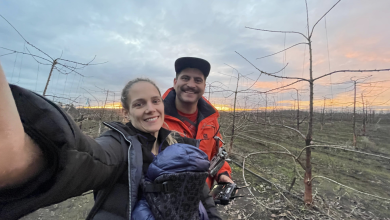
[{"x": 331, "y": 201}]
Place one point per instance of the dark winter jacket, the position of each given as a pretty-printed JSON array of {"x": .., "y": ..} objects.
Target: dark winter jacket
[{"x": 112, "y": 164}]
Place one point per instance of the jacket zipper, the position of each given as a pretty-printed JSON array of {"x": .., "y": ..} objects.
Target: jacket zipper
[
  {"x": 128, "y": 168},
  {"x": 129, "y": 178}
]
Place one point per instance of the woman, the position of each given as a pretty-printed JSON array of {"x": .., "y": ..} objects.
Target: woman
[{"x": 45, "y": 158}]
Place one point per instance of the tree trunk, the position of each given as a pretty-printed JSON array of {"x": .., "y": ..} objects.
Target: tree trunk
[
  {"x": 323, "y": 116},
  {"x": 48, "y": 79},
  {"x": 234, "y": 121},
  {"x": 298, "y": 112},
  {"x": 364, "y": 117},
  {"x": 354, "y": 115},
  {"x": 265, "y": 111},
  {"x": 234, "y": 115},
  {"x": 308, "y": 197}
]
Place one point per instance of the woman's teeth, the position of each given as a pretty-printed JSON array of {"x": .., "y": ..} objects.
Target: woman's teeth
[{"x": 151, "y": 119}]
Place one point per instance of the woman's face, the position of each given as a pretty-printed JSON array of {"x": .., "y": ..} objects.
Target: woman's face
[{"x": 146, "y": 108}]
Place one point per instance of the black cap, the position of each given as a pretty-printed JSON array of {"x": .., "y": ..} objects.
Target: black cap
[{"x": 192, "y": 62}]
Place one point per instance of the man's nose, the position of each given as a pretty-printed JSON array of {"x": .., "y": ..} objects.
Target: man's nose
[{"x": 191, "y": 83}]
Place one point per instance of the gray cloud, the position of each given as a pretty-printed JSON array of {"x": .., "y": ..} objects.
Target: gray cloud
[{"x": 144, "y": 38}]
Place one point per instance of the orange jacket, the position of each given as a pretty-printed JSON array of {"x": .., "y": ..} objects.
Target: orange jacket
[{"x": 207, "y": 127}]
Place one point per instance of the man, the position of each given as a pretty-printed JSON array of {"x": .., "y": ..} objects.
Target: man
[{"x": 190, "y": 114}]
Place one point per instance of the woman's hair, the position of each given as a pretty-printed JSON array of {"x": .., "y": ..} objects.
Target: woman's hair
[
  {"x": 125, "y": 101},
  {"x": 170, "y": 139},
  {"x": 125, "y": 91}
]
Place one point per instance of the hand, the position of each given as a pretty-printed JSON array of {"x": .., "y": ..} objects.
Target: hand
[{"x": 225, "y": 178}]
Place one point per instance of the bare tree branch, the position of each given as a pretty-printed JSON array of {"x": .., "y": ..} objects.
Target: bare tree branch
[
  {"x": 252, "y": 84},
  {"x": 348, "y": 187},
  {"x": 255, "y": 91},
  {"x": 307, "y": 21},
  {"x": 350, "y": 71},
  {"x": 345, "y": 149},
  {"x": 299, "y": 132},
  {"x": 25, "y": 39},
  {"x": 84, "y": 64},
  {"x": 59, "y": 97},
  {"x": 36, "y": 59},
  {"x": 71, "y": 70},
  {"x": 26, "y": 54},
  {"x": 281, "y": 51},
  {"x": 312, "y": 29},
  {"x": 285, "y": 32},
  {"x": 269, "y": 74},
  {"x": 7, "y": 54},
  {"x": 241, "y": 134},
  {"x": 92, "y": 96},
  {"x": 284, "y": 86}
]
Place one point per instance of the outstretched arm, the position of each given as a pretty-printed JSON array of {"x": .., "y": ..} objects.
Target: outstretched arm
[
  {"x": 20, "y": 158},
  {"x": 45, "y": 158}
]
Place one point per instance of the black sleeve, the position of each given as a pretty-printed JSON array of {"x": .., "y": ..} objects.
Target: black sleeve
[
  {"x": 208, "y": 203},
  {"x": 75, "y": 163}
]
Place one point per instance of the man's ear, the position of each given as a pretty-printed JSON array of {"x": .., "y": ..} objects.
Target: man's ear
[{"x": 174, "y": 81}]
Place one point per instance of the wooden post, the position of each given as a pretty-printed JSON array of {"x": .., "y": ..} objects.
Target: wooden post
[
  {"x": 298, "y": 111},
  {"x": 234, "y": 115},
  {"x": 48, "y": 79},
  {"x": 354, "y": 114}
]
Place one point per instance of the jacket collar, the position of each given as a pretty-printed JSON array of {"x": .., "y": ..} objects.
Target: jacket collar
[
  {"x": 130, "y": 130},
  {"x": 147, "y": 139}
]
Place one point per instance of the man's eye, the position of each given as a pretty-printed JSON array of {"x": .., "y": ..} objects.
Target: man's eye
[
  {"x": 198, "y": 80},
  {"x": 185, "y": 78}
]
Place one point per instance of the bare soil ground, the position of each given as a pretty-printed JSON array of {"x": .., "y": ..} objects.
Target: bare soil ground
[{"x": 331, "y": 201}]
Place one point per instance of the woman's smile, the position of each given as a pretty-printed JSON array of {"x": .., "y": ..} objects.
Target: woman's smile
[{"x": 152, "y": 119}]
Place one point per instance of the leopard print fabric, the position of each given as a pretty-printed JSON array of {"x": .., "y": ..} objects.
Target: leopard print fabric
[{"x": 183, "y": 202}]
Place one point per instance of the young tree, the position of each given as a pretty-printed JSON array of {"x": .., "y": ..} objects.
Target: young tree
[
  {"x": 308, "y": 198},
  {"x": 63, "y": 66},
  {"x": 235, "y": 92}
]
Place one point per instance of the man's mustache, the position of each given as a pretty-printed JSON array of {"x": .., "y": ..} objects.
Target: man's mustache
[{"x": 189, "y": 89}]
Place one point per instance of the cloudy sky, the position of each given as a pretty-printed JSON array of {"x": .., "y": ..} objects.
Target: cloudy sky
[{"x": 144, "y": 38}]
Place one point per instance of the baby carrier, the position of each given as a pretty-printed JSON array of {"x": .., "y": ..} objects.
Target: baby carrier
[{"x": 174, "y": 183}]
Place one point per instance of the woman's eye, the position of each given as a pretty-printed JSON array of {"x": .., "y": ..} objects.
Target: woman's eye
[
  {"x": 137, "y": 105},
  {"x": 156, "y": 101}
]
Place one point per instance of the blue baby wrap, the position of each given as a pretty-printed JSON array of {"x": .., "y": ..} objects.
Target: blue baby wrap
[
  {"x": 178, "y": 158},
  {"x": 185, "y": 165}
]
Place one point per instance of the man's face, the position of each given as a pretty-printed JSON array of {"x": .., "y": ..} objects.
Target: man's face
[{"x": 189, "y": 85}]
